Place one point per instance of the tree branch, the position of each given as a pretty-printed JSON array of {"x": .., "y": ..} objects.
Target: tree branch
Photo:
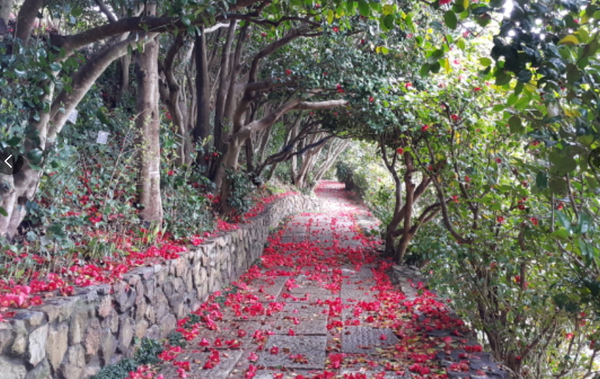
[
  {"x": 104, "y": 9},
  {"x": 132, "y": 24}
]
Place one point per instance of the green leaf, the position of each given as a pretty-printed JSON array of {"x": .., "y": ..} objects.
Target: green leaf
[
  {"x": 584, "y": 223},
  {"x": 569, "y": 40},
  {"x": 573, "y": 73},
  {"x": 424, "y": 70},
  {"x": 564, "y": 220},
  {"x": 54, "y": 66},
  {"x": 461, "y": 44},
  {"x": 389, "y": 21},
  {"x": 451, "y": 20},
  {"x": 515, "y": 124},
  {"x": 561, "y": 233},
  {"x": 485, "y": 62},
  {"x": 541, "y": 180},
  {"x": 13, "y": 141},
  {"x": 502, "y": 78},
  {"x": 363, "y": 8},
  {"x": 524, "y": 76},
  {"x": 330, "y": 16},
  {"x": 3, "y": 212}
]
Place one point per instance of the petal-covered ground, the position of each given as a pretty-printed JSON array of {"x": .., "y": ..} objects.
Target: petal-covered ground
[{"x": 321, "y": 305}]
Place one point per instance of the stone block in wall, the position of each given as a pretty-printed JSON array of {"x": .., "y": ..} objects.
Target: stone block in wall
[
  {"x": 124, "y": 296},
  {"x": 126, "y": 330},
  {"x": 144, "y": 273},
  {"x": 105, "y": 306},
  {"x": 174, "y": 290},
  {"x": 19, "y": 343},
  {"x": 41, "y": 371},
  {"x": 91, "y": 340},
  {"x": 141, "y": 327},
  {"x": 77, "y": 326},
  {"x": 12, "y": 369},
  {"x": 73, "y": 364},
  {"x": 30, "y": 318},
  {"x": 36, "y": 347},
  {"x": 7, "y": 336},
  {"x": 57, "y": 344},
  {"x": 153, "y": 332},
  {"x": 107, "y": 347},
  {"x": 111, "y": 321},
  {"x": 149, "y": 288},
  {"x": 160, "y": 305},
  {"x": 166, "y": 325},
  {"x": 160, "y": 274}
]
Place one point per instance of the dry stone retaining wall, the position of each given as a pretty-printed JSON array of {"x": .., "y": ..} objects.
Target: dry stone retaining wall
[{"x": 73, "y": 337}]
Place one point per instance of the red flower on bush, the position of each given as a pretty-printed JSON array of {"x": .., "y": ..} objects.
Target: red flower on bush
[{"x": 424, "y": 128}]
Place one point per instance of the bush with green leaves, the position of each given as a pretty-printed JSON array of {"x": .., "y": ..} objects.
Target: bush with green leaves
[
  {"x": 146, "y": 354},
  {"x": 242, "y": 191}
]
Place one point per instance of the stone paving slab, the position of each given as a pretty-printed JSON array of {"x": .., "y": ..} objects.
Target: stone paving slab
[
  {"x": 302, "y": 326},
  {"x": 365, "y": 340},
  {"x": 312, "y": 350}
]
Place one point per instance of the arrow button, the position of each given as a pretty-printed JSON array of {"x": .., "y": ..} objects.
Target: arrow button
[{"x": 11, "y": 161}]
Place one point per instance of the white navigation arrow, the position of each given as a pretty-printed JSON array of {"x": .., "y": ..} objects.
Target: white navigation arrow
[{"x": 5, "y": 161}]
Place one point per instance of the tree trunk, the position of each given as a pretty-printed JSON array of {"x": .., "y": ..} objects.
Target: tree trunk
[
  {"x": 202, "y": 128},
  {"x": 27, "y": 15},
  {"x": 123, "y": 72},
  {"x": 332, "y": 154},
  {"x": 249, "y": 155},
  {"x": 148, "y": 124}
]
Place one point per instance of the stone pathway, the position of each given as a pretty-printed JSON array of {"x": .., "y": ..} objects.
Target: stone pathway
[{"x": 321, "y": 305}]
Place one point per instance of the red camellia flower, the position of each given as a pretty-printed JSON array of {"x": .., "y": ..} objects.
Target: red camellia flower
[
  {"x": 477, "y": 89},
  {"x": 274, "y": 350},
  {"x": 498, "y": 160},
  {"x": 534, "y": 221},
  {"x": 455, "y": 198},
  {"x": 288, "y": 72},
  {"x": 454, "y": 117},
  {"x": 467, "y": 179},
  {"x": 424, "y": 128},
  {"x": 336, "y": 29},
  {"x": 407, "y": 85},
  {"x": 170, "y": 173},
  {"x": 400, "y": 150},
  {"x": 371, "y": 99},
  {"x": 500, "y": 219},
  {"x": 442, "y": 2}
]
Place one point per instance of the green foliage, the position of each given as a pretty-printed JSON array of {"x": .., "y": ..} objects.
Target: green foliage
[
  {"x": 345, "y": 174},
  {"x": 117, "y": 371},
  {"x": 242, "y": 189},
  {"x": 185, "y": 203},
  {"x": 147, "y": 353},
  {"x": 176, "y": 339}
]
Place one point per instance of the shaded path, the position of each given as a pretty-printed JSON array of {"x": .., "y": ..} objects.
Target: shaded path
[{"x": 321, "y": 305}]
